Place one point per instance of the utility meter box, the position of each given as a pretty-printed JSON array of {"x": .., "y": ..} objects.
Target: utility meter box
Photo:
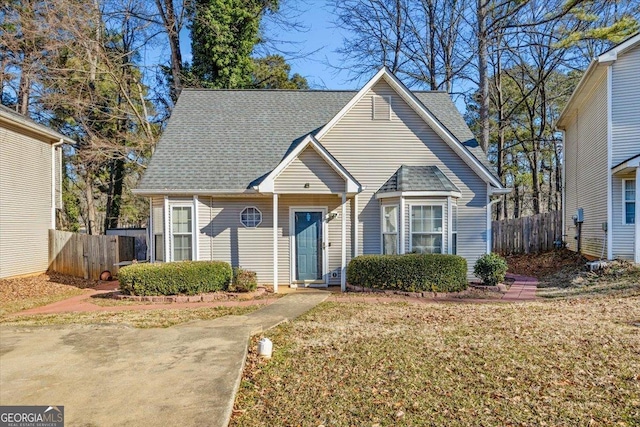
[{"x": 579, "y": 216}]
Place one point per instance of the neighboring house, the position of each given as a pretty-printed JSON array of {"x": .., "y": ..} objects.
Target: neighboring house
[
  {"x": 601, "y": 125},
  {"x": 293, "y": 184},
  {"x": 30, "y": 192}
]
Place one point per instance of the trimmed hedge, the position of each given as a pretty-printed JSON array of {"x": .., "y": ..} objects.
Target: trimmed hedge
[
  {"x": 411, "y": 272},
  {"x": 175, "y": 278}
]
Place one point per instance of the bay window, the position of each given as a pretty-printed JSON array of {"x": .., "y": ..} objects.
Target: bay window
[
  {"x": 427, "y": 231},
  {"x": 390, "y": 222}
]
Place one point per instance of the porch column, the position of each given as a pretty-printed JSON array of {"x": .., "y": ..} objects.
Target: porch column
[
  {"x": 343, "y": 273},
  {"x": 275, "y": 243},
  {"x": 355, "y": 226},
  {"x": 401, "y": 225},
  {"x": 637, "y": 216}
]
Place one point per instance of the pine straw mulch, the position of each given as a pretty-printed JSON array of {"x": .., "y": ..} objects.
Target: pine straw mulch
[
  {"x": 564, "y": 274},
  {"x": 27, "y": 292}
]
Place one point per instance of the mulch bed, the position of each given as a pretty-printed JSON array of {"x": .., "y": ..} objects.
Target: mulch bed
[{"x": 21, "y": 288}]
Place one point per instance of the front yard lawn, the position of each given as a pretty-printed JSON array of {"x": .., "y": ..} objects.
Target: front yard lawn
[
  {"x": 161, "y": 318},
  {"x": 563, "y": 362}
]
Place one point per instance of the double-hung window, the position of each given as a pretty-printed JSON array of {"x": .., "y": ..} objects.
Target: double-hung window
[
  {"x": 390, "y": 223},
  {"x": 182, "y": 232},
  {"x": 629, "y": 193},
  {"x": 426, "y": 229},
  {"x": 454, "y": 229}
]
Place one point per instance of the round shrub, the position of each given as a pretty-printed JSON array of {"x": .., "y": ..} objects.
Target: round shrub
[
  {"x": 175, "y": 278},
  {"x": 243, "y": 280},
  {"x": 410, "y": 272},
  {"x": 491, "y": 269}
]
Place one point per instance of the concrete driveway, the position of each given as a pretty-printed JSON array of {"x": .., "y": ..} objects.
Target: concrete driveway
[{"x": 115, "y": 375}]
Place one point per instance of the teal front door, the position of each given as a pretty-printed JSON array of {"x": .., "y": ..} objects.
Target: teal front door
[{"x": 308, "y": 229}]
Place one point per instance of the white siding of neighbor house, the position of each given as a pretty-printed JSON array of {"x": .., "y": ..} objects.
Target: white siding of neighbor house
[
  {"x": 586, "y": 171},
  {"x": 222, "y": 236},
  {"x": 625, "y": 116},
  {"x": 372, "y": 150},
  {"x": 25, "y": 203},
  {"x": 623, "y": 234},
  {"x": 625, "y": 111},
  {"x": 309, "y": 168}
]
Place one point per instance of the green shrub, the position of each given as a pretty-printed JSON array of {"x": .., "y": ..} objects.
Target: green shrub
[
  {"x": 491, "y": 268},
  {"x": 243, "y": 280},
  {"x": 174, "y": 278},
  {"x": 411, "y": 272}
]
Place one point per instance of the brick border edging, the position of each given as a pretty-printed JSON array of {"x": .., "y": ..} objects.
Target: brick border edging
[
  {"x": 430, "y": 295},
  {"x": 210, "y": 297}
]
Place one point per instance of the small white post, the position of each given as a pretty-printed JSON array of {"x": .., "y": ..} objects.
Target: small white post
[
  {"x": 343, "y": 273},
  {"x": 275, "y": 243}
]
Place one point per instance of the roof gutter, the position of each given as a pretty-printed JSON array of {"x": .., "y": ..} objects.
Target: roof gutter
[
  {"x": 142, "y": 192},
  {"x": 37, "y": 129}
]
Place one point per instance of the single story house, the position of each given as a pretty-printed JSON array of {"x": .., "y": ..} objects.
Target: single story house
[
  {"x": 30, "y": 192},
  {"x": 294, "y": 183},
  {"x": 601, "y": 127}
]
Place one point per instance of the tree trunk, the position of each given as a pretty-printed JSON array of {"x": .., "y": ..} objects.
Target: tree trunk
[
  {"x": 483, "y": 47},
  {"x": 90, "y": 220},
  {"x": 172, "y": 27}
]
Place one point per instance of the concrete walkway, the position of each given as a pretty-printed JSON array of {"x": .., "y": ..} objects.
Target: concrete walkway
[{"x": 185, "y": 375}]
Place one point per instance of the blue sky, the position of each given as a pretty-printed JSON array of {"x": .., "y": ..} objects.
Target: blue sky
[{"x": 311, "y": 52}]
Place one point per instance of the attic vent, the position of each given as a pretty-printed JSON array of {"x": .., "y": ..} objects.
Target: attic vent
[{"x": 381, "y": 107}]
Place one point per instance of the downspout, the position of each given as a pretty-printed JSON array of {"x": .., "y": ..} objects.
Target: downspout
[{"x": 489, "y": 227}]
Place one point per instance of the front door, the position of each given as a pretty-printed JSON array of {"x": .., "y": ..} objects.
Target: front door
[{"x": 308, "y": 245}]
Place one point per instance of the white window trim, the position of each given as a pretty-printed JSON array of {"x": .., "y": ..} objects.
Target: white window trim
[
  {"x": 453, "y": 232},
  {"x": 624, "y": 202},
  {"x": 250, "y": 207},
  {"x": 442, "y": 205},
  {"x": 171, "y": 233},
  {"x": 382, "y": 232}
]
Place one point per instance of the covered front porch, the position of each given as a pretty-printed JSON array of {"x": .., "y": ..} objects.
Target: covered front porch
[{"x": 315, "y": 217}]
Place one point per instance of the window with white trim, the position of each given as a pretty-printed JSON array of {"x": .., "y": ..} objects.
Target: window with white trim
[
  {"x": 427, "y": 231},
  {"x": 454, "y": 229},
  {"x": 629, "y": 197},
  {"x": 251, "y": 217},
  {"x": 390, "y": 221},
  {"x": 182, "y": 232}
]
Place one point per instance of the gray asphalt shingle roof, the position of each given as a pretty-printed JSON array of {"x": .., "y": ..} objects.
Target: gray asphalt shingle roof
[
  {"x": 417, "y": 178},
  {"x": 228, "y": 140}
]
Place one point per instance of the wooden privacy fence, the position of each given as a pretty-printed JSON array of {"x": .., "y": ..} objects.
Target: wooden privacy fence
[
  {"x": 82, "y": 255},
  {"x": 528, "y": 234}
]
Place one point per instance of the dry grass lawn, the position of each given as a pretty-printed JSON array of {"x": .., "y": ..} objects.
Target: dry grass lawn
[
  {"x": 562, "y": 363},
  {"x": 136, "y": 318}
]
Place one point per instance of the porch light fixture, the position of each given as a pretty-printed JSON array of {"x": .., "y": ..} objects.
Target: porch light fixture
[
  {"x": 306, "y": 185},
  {"x": 332, "y": 215}
]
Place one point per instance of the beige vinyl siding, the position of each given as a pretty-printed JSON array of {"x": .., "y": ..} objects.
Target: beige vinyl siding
[
  {"x": 623, "y": 234},
  {"x": 372, "y": 150},
  {"x": 624, "y": 112},
  {"x": 586, "y": 171},
  {"x": 25, "y": 203},
  {"x": 309, "y": 168},
  {"x": 223, "y": 237}
]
